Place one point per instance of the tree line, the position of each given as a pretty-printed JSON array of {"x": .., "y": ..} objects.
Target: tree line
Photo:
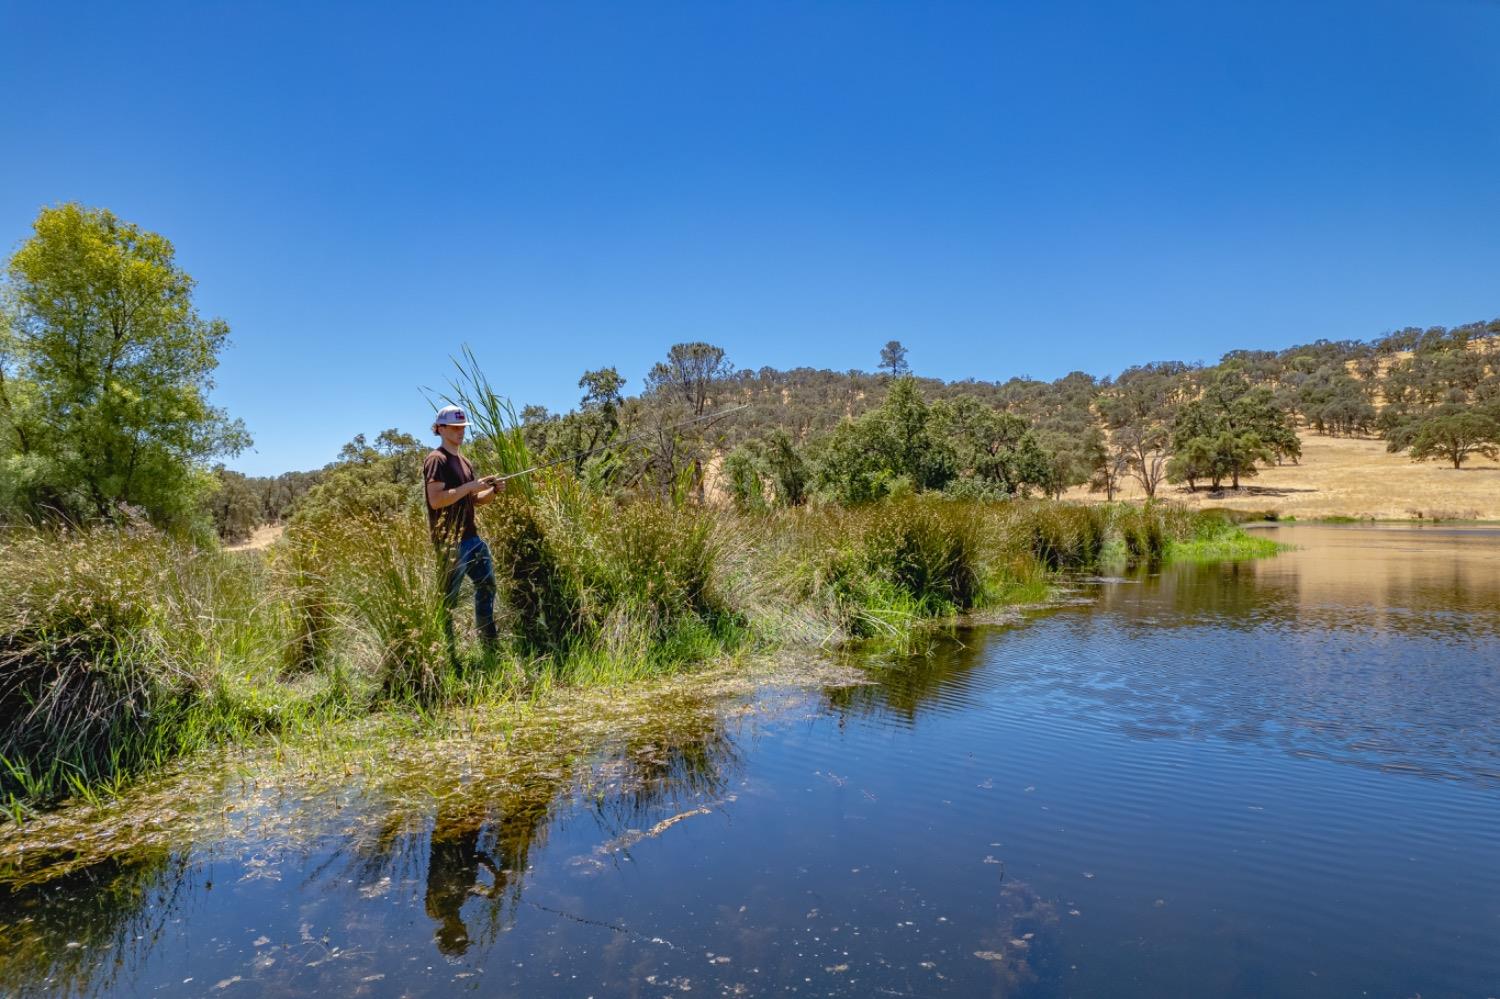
[{"x": 106, "y": 367}]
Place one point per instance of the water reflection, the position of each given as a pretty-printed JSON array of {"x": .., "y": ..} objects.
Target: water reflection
[
  {"x": 454, "y": 860},
  {"x": 88, "y": 931},
  {"x": 1432, "y": 582},
  {"x": 461, "y": 852},
  {"x": 1374, "y": 648},
  {"x": 931, "y": 676}
]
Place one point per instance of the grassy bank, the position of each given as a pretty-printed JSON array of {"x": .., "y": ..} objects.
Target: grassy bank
[{"x": 120, "y": 650}]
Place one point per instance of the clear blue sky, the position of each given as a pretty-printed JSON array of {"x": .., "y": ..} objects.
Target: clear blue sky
[{"x": 1007, "y": 188}]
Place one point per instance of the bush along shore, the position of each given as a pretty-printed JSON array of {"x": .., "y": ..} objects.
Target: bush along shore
[{"x": 121, "y": 650}]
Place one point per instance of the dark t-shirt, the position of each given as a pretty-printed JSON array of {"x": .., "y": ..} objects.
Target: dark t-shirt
[{"x": 455, "y": 522}]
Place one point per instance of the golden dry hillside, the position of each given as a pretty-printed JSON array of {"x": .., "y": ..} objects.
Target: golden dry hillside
[{"x": 1351, "y": 477}]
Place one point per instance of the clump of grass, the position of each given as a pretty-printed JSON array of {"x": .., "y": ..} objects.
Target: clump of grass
[
  {"x": 1209, "y": 536},
  {"x": 307, "y": 605},
  {"x": 592, "y": 580},
  {"x": 1060, "y": 536},
  {"x": 123, "y": 649},
  {"x": 389, "y": 595},
  {"x": 92, "y": 673},
  {"x": 1142, "y": 532},
  {"x": 877, "y": 568}
]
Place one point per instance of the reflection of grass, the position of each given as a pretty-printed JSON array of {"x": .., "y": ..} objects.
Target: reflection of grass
[{"x": 116, "y": 908}]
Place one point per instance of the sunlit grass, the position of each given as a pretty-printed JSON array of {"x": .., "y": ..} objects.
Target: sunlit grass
[
  {"x": 1233, "y": 544},
  {"x": 121, "y": 652}
]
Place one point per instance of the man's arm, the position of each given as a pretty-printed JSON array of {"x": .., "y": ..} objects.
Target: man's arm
[
  {"x": 439, "y": 496},
  {"x": 483, "y": 490}
]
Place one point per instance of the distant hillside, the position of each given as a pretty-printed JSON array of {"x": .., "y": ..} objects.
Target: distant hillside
[
  {"x": 1317, "y": 429},
  {"x": 1350, "y": 477}
]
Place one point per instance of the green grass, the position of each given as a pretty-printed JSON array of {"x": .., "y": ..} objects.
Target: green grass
[
  {"x": 122, "y": 651},
  {"x": 1228, "y": 545}
]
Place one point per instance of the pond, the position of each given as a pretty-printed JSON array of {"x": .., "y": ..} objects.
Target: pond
[{"x": 1263, "y": 778}]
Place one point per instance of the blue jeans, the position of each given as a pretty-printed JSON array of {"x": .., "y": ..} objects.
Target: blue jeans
[{"x": 472, "y": 559}]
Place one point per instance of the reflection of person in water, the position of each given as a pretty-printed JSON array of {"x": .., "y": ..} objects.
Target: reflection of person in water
[{"x": 452, "y": 876}]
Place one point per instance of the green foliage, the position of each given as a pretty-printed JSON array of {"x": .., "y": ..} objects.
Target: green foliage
[
  {"x": 987, "y": 444},
  {"x": 104, "y": 375},
  {"x": 1454, "y": 434},
  {"x": 625, "y": 580},
  {"x": 1062, "y": 536},
  {"x": 380, "y": 479},
  {"x": 1142, "y": 532},
  {"x": 742, "y": 480},
  {"x": 689, "y": 374},
  {"x": 235, "y": 505},
  {"x": 1213, "y": 536},
  {"x": 497, "y": 442},
  {"x": 885, "y": 452},
  {"x": 1226, "y": 432},
  {"x": 786, "y": 469},
  {"x": 1330, "y": 399},
  {"x": 388, "y": 587},
  {"x": 878, "y": 568},
  {"x": 121, "y": 649},
  {"x": 591, "y": 427}
]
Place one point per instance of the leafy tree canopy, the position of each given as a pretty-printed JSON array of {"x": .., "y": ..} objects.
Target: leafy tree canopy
[{"x": 105, "y": 369}]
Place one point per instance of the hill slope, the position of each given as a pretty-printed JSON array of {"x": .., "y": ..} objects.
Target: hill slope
[{"x": 1351, "y": 477}]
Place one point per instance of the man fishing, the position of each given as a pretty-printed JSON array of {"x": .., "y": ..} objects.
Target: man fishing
[{"x": 453, "y": 493}]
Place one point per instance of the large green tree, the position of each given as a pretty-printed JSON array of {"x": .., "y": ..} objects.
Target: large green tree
[
  {"x": 1455, "y": 434},
  {"x": 890, "y": 449},
  {"x": 1226, "y": 432},
  {"x": 105, "y": 369}
]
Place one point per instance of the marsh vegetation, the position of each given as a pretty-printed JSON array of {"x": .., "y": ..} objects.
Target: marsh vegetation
[{"x": 123, "y": 648}]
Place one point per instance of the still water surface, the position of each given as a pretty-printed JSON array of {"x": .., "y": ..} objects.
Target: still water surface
[{"x": 1268, "y": 778}]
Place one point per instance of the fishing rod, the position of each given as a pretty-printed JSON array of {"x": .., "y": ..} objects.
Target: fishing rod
[{"x": 612, "y": 444}]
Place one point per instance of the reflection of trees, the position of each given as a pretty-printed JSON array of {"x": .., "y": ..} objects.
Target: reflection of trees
[
  {"x": 1374, "y": 658},
  {"x": 1439, "y": 592},
  {"x": 1230, "y": 594},
  {"x": 85, "y": 932}
]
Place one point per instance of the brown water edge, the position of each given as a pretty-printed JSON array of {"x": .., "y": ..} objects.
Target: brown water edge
[{"x": 392, "y": 770}]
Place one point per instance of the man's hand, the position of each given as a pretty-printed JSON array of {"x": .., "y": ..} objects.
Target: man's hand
[{"x": 487, "y": 488}]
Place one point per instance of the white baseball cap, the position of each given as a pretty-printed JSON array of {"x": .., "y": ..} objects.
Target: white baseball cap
[{"x": 450, "y": 416}]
